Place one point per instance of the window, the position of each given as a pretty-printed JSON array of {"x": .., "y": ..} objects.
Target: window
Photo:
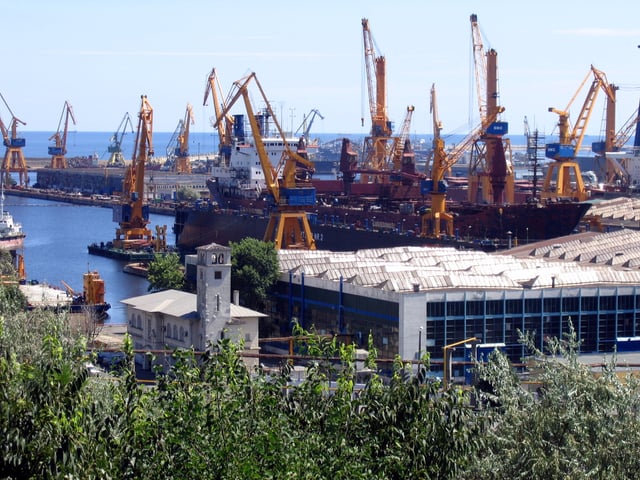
[{"x": 217, "y": 274}]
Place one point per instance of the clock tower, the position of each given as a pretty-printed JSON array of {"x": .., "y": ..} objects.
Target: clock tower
[{"x": 213, "y": 292}]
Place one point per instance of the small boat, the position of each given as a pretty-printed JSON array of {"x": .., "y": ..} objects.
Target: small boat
[{"x": 49, "y": 297}]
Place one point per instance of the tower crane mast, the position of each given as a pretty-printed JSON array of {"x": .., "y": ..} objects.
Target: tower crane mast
[
  {"x": 59, "y": 149},
  {"x": 376, "y": 145},
  {"x": 490, "y": 167},
  {"x": 287, "y": 182},
  {"x": 116, "y": 159},
  {"x": 179, "y": 154},
  {"x": 14, "y": 157}
]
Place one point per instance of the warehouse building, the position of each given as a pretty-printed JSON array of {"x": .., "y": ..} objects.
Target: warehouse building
[{"x": 419, "y": 299}]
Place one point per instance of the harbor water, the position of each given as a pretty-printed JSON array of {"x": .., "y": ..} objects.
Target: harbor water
[{"x": 55, "y": 247}]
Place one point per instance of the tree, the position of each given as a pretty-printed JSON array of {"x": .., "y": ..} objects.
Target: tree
[
  {"x": 165, "y": 272},
  {"x": 254, "y": 270},
  {"x": 187, "y": 194}
]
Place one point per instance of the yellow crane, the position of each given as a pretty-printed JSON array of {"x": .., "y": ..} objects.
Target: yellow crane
[
  {"x": 225, "y": 143},
  {"x": 288, "y": 182},
  {"x": 116, "y": 159},
  {"x": 131, "y": 213},
  {"x": 14, "y": 157},
  {"x": 564, "y": 179},
  {"x": 59, "y": 149},
  {"x": 179, "y": 154},
  {"x": 442, "y": 162},
  {"x": 490, "y": 168}
]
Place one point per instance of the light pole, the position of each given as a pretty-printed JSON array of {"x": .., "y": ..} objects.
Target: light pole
[
  {"x": 509, "y": 235},
  {"x": 527, "y": 235}
]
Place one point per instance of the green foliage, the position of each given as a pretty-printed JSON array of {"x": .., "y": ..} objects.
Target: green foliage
[
  {"x": 165, "y": 273},
  {"x": 254, "y": 270},
  {"x": 574, "y": 424},
  {"x": 187, "y": 194},
  {"x": 210, "y": 417}
]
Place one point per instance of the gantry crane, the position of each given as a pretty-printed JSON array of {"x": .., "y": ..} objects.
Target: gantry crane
[
  {"x": 131, "y": 213},
  {"x": 307, "y": 121},
  {"x": 288, "y": 182},
  {"x": 442, "y": 162},
  {"x": 490, "y": 168},
  {"x": 59, "y": 150},
  {"x": 564, "y": 172},
  {"x": 225, "y": 143},
  {"x": 178, "y": 148},
  {"x": 14, "y": 157},
  {"x": 116, "y": 159}
]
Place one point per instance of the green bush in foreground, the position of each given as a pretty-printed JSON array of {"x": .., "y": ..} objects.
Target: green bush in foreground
[{"x": 211, "y": 418}]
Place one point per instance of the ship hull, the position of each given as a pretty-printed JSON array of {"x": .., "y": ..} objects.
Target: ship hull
[
  {"x": 477, "y": 226},
  {"x": 12, "y": 243}
]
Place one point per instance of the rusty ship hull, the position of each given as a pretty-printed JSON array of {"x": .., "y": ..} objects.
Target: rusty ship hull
[{"x": 340, "y": 228}]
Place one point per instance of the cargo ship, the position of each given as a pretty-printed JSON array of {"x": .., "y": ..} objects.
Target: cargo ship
[
  {"x": 11, "y": 234},
  {"x": 350, "y": 215}
]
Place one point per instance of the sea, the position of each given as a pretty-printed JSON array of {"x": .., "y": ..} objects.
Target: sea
[
  {"x": 96, "y": 144},
  {"x": 55, "y": 247}
]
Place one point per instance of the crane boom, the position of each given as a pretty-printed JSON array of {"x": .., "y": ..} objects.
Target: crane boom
[
  {"x": 224, "y": 127},
  {"x": 287, "y": 182},
  {"x": 59, "y": 150}
]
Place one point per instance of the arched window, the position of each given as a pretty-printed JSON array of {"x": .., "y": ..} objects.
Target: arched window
[
  {"x": 175, "y": 331},
  {"x": 169, "y": 330}
]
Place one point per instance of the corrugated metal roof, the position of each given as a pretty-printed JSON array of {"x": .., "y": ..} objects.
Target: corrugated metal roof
[{"x": 578, "y": 260}]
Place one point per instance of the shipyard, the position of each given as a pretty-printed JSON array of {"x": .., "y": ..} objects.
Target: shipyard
[{"x": 424, "y": 251}]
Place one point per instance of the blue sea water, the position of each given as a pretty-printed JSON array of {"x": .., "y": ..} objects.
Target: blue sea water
[{"x": 55, "y": 247}]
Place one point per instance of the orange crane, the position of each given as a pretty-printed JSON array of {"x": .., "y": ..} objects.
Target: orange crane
[
  {"x": 442, "y": 162},
  {"x": 179, "y": 155},
  {"x": 131, "y": 213},
  {"x": 115, "y": 148},
  {"x": 224, "y": 127},
  {"x": 490, "y": 169},
  {"x": 376, "y": 146},
  {"x": 288, "y": 182},
  {"x": 14, "y": 157},
  {"x": 59, "y": 150},
  {"x": 564, "y": 179}
]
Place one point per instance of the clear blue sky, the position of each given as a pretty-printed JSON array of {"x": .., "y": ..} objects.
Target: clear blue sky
[{"x": 102, "y": 55}]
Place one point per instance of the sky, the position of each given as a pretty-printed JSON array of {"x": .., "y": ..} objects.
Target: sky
[{"x": 101, "y": 56}]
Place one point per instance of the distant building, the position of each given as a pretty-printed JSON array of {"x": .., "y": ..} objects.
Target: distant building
[{"x": 174, "y": 319}]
